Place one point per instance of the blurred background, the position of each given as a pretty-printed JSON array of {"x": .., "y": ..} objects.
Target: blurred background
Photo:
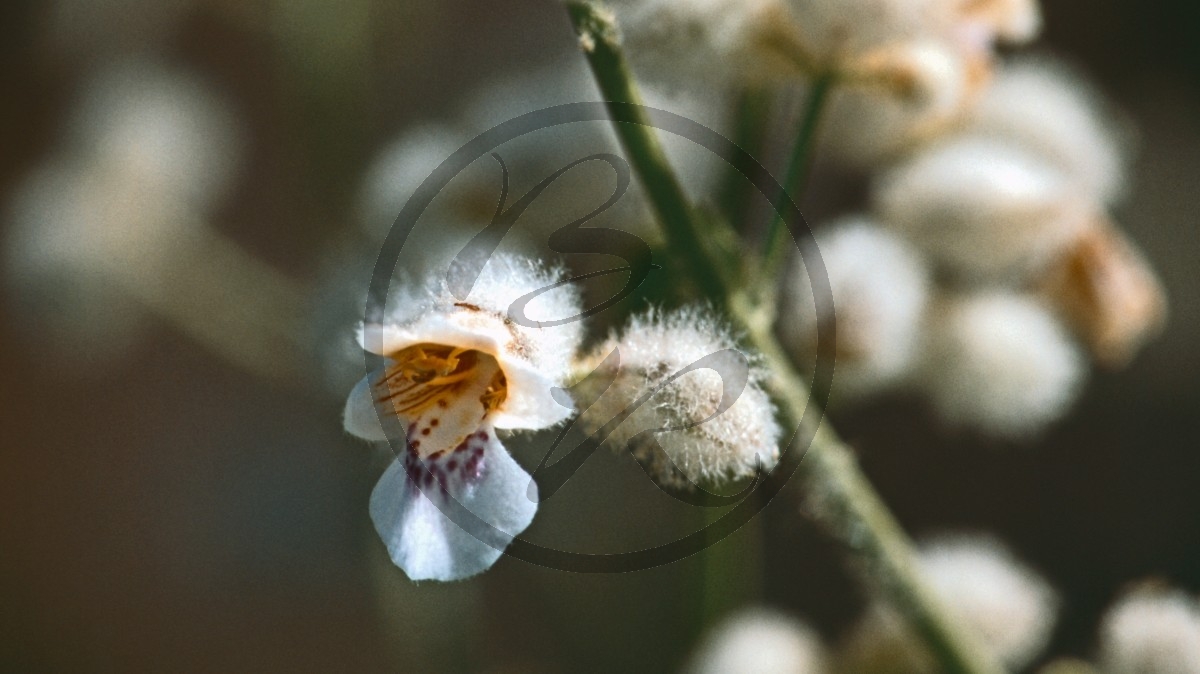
[{"x": 176, "y": 490}]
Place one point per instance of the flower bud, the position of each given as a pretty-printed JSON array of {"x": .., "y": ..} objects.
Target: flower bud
[
  {"x": 1151, "y": 629},
  {"x": 880, "y": 286},
  {"x": 998, "y": 362},
  {"x": 683, "y": 399}
]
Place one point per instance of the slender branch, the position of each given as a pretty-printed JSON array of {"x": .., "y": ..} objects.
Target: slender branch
[
  {"x": 853, "y": 511},
  {"x": 598, "y": 38},
  {"x": 799, "y": 166},
  {"x": 731, "y": 569},
  {"x": 750, "y": 133},
  {"x": 851, "y": 507}
]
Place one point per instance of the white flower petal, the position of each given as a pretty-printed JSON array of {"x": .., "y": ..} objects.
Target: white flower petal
[
  {"x": 483, "y": 478},
  {"x": 360, "y": 416}
]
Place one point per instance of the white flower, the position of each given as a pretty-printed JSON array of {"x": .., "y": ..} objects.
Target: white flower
[
  {"x": 982, "y": 208},
  {"x": 880, "y": 286},
  {"x": 998, "y": 362},
  {"x": 1048, "y": 109},
  {"x": 455, "y": 372},
  {"x": 1008, "y": 606},
  {"x": 1151, "y": 630},
  {"x": 759, "y": 641},
  {"x": 725, "y": 437}
]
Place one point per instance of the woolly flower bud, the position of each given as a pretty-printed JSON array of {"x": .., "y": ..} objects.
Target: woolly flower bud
[
  {"x": 759, "y": 641},
  {"x": 931, "y": 87},
  {"x": 712, "y": 423},
  {"x": 982, "y": 208},
  {"x": 998, "y": 362},
  {"x": 880, "y": 286},
  {"x": 1009, "y": 607},
  {"x": 710, "y": 39},
  {"x": 1045, "y": 107},
  {"x": 1152, "y": 630}
]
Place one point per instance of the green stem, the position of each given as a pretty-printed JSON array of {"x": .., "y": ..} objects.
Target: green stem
[
  {"x": 850, "y": 507},
  {"x": 731, "y": 569},
  {"x": 597, "y": 35},
  {"x": 852, "y": 510},
  {"x": 750, "y": 133},
  {"x": 799, "y": 166}
]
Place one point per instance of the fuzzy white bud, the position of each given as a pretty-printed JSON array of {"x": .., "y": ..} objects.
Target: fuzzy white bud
[
  {"x": 1009, "y": 607},
  {"x": 759, "y": 641},
  {"x": 1107, "y": 292},
  {"x": 998, "y": 362},
  {"x": 982, "y": 208},
  {"x": 730, "y": 421},
  {"x": 1047, "y": 108},
  {"x": 164, "y": 130},
  {"x": 119, "y": 203},
  {"x": 1152, "y": 630},
  {"x": 910, "y": 92},
  {"x": 880, "y": 286}
]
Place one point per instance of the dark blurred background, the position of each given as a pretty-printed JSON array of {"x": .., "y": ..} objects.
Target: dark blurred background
[{"x": 171, "y": 512}]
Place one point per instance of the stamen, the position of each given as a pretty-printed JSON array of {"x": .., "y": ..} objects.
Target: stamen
[
  {"x": 426, "y": 374},
  {"x": 496, "y": 392}
]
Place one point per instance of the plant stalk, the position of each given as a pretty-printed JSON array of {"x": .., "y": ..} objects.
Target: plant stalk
[
  {"x": 799, "y": 166},
  {"x": 597, "y": 36},
  {"x": 850, "y": 507}
]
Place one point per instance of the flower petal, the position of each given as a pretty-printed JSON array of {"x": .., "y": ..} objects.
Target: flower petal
[
  {"x": 479, "y": 476},
  {"x": 360, "y": 416}
]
